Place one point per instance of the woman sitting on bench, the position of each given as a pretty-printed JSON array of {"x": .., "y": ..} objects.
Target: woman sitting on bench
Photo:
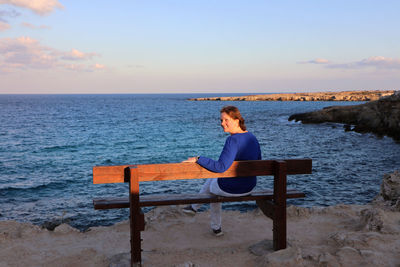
[{"x": 240, "y": 145}]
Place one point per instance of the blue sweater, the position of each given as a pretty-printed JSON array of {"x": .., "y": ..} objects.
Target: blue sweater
[{"x": 241, "y": 146}]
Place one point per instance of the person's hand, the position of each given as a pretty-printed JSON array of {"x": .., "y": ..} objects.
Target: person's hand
[{"x": 191, "y": 160}]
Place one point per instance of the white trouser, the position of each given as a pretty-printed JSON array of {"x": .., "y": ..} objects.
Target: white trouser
[{"x": 211, "y": 187}]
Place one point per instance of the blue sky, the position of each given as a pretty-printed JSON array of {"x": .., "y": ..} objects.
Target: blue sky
[{"x": 193, "y": 46}]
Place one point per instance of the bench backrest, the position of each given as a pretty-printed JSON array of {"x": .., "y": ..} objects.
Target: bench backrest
[{"x": 179, "y": 171}]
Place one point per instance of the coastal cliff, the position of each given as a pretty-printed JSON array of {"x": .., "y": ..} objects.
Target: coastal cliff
[
  {"x": 321, "y": 96},
  {"x": 381, "y": 117}
]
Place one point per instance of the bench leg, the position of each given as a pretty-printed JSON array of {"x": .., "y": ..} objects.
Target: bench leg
[
  {"x": 279, "y": 229},
  {"x": 136, "y": 216},
  {"x": 279, "y": 216},
  {"x": 136, "y": 225}
]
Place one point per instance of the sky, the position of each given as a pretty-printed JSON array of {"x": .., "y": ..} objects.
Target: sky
[{"x": 198, "y": 46}]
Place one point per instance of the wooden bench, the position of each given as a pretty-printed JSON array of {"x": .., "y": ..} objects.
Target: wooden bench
[{"x": 272, "y": 203}]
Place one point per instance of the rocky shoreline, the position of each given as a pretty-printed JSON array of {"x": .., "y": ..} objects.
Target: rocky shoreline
[
  {"x": 341, "y": 235},
  {"x": 381, "y": 117},
  {"x": 321, "y": 96}
]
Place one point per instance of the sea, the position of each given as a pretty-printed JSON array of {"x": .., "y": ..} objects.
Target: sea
[{"x": 49, "y": 144}]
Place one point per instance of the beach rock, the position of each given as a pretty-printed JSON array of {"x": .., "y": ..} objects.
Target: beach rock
[
  {"x": 390, "y": 186},
  {"x": 389, "y": 196},
  {"x": 374, "y": 258},
  {"x": 396, "y": 206},
  {"x": 372, "y": 219},
  {"x": 319, "y": 96},
  {"x": 328, "y": 260},
  {"x": 261, "y": 248},
  {"x": 348, "y": 256},
  {"x": 381, "y": 117},
  {"x": 65, "y": 229},
  {"x": 51, "y": 225},
  {"x": 289, "y": 257},
  {"x": 296, "y": 211}
]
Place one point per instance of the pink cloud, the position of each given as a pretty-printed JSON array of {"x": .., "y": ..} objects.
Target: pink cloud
[
  {"x": 4, "y": 26},
  {"x": 99, "y": 66},
  {"x": 75, "y": 54},
  {"x": 40, "y": 7},
  {"x": 315, "y": 61},
  {"x": 31, "y": 26},
  {"x": 26, "y": 53}
]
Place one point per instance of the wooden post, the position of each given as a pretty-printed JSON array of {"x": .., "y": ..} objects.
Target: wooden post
[
  {"x": 279, "y": 220},
  {"x": 136, "y": 225}
]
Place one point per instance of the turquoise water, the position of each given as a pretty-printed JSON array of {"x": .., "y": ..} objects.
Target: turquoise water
[{"x": 49, "y": 144}]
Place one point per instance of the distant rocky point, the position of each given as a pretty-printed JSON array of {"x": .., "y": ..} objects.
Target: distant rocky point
[
  {"x": 381, "y": 117},
  {"x": 321, "y": 96}
]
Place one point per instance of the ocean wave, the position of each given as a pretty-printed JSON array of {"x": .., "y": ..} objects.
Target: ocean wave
[
  {"x": 60, "y": 148},
  {"x": 10, "y": 189}
]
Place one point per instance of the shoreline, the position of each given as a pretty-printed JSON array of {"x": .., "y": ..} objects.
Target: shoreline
[
  {"x": 371, "y": 95},
  {"x": 342, "y": 235},
  {"x": 380, "y": 117}
]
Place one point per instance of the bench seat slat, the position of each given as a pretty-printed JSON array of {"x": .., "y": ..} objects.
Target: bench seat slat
[{"x": 180, "y": 199}]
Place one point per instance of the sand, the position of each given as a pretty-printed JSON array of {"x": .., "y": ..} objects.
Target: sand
[{"x": 343, "y": 235}]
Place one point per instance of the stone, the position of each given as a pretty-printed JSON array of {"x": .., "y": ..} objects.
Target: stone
[
  {"x": 348, "y": 256},
  {"x": 51, "y": 225},
  {"x": 262, "y": 248},
  {"x": 327, "y": 260},
  {"x": 372, "y": 219},
  {"x": 65, "y": 228},
  {"x": 289, "y": 257},
  {"x": 296, "y": 211},
  {"x": 390, "y": 187}
]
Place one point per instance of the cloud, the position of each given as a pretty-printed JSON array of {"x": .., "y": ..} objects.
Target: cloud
[
  {"x": 315, "y": 61},
  {"x": 77, "y": 55},
  {"x": 377, "y": 62},
  {"x": 31, "y": 26},
  {"x": 25, "y": 53},
  {"x": 4, "y": 26},
  {"x": 40, "y": 7},
  {"x": 98, "y": 66}
]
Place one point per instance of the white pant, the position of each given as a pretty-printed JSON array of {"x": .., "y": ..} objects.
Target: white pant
[{"x": 211, "y": 187}]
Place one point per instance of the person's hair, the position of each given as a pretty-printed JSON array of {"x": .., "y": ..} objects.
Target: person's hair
[{"x": 234, "y": 113}]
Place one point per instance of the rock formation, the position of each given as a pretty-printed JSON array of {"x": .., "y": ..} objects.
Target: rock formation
[
  {"x": 322, "y": 96},
  {"x": 381, "y": 117},
  {"x": 390, "y": 192}
]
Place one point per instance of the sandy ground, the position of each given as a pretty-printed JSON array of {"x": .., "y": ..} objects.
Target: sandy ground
[{"x": 344, "y": 235}]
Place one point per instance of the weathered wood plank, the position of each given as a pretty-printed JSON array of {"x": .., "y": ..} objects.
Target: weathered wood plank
[
  {"x": 180, "y": 199},
  {"x": 179, "y": 171}
]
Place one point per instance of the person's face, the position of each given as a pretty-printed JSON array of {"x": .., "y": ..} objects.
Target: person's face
[{"x": 228, "y": 124}]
